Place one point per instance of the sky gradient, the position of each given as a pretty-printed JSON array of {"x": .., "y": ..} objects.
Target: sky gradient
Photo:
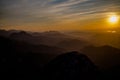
[{"x": 41, "y": 15}]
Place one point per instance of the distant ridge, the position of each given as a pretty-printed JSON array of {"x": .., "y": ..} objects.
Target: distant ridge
[{"x": 104, "y": 56}]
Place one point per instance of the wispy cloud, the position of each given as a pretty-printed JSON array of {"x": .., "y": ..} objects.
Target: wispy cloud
[{"x": 53, "y": 11}]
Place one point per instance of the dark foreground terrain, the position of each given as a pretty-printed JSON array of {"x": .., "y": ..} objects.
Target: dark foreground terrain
[{"x": 22, "y": 61}]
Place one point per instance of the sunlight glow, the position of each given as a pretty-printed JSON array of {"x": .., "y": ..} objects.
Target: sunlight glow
[
  {"x": 113, "y": 31},
  {"x": 113, "y": 19}
]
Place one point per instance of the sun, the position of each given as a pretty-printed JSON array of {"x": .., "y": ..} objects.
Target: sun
[{"x": 113, "y": 19}]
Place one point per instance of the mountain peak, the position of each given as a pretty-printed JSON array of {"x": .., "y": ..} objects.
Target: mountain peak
[
  {"x": 52, "y": 33},
  {"x": 70, "y": 66},
  {"x": 21, "y": 33}
]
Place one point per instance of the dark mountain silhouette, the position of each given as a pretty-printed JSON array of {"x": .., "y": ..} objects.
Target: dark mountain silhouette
[
  {"x": 14, "y": 31},
  {"x": 54, "y": 34},
  {"x": 21, "y": 36},
  {"x": 50, "y": 38},
  {"x": 70, "y": 66},
  {"x": 73, "y": 44},
  {"x": 13, "y": 48},
  {"x": 7, "y": 33},
  {"x": 53, "y": 37},
  {"x": 24, "y": 60},
  {"x": 104, "y": 56},
  {"x": 106, "y": 38},
  {"x": 28, "y": 55},
  {"x": 100, "y": 37},
  {"x": 24, "y": 47},
  {"x": 29, "y": 38},
  {"x": 26, "y": 37},
  {"x": 51, "y": 34},
  {"x": 4, "y": 33}
]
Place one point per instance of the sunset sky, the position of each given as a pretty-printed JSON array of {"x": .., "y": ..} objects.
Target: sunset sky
[{"x": 42, "y": 15}]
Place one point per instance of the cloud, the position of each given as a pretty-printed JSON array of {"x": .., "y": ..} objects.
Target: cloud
[{"x": 53, "y": 11}]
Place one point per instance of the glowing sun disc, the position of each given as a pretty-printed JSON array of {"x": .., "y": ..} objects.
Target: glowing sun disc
[{"x": 113, "y": 19}]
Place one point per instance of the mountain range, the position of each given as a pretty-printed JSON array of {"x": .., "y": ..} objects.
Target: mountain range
[{"x": 55, "y": 55}]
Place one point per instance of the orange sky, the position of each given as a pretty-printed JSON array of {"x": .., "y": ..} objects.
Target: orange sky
[{"x": 42, "y": 15}]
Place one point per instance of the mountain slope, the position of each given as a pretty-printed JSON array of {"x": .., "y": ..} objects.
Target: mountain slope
[
  {"x": 70, "y": 66},
  {"x": 73, "y": 44},
  {"x": 104, "y": 56}
]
